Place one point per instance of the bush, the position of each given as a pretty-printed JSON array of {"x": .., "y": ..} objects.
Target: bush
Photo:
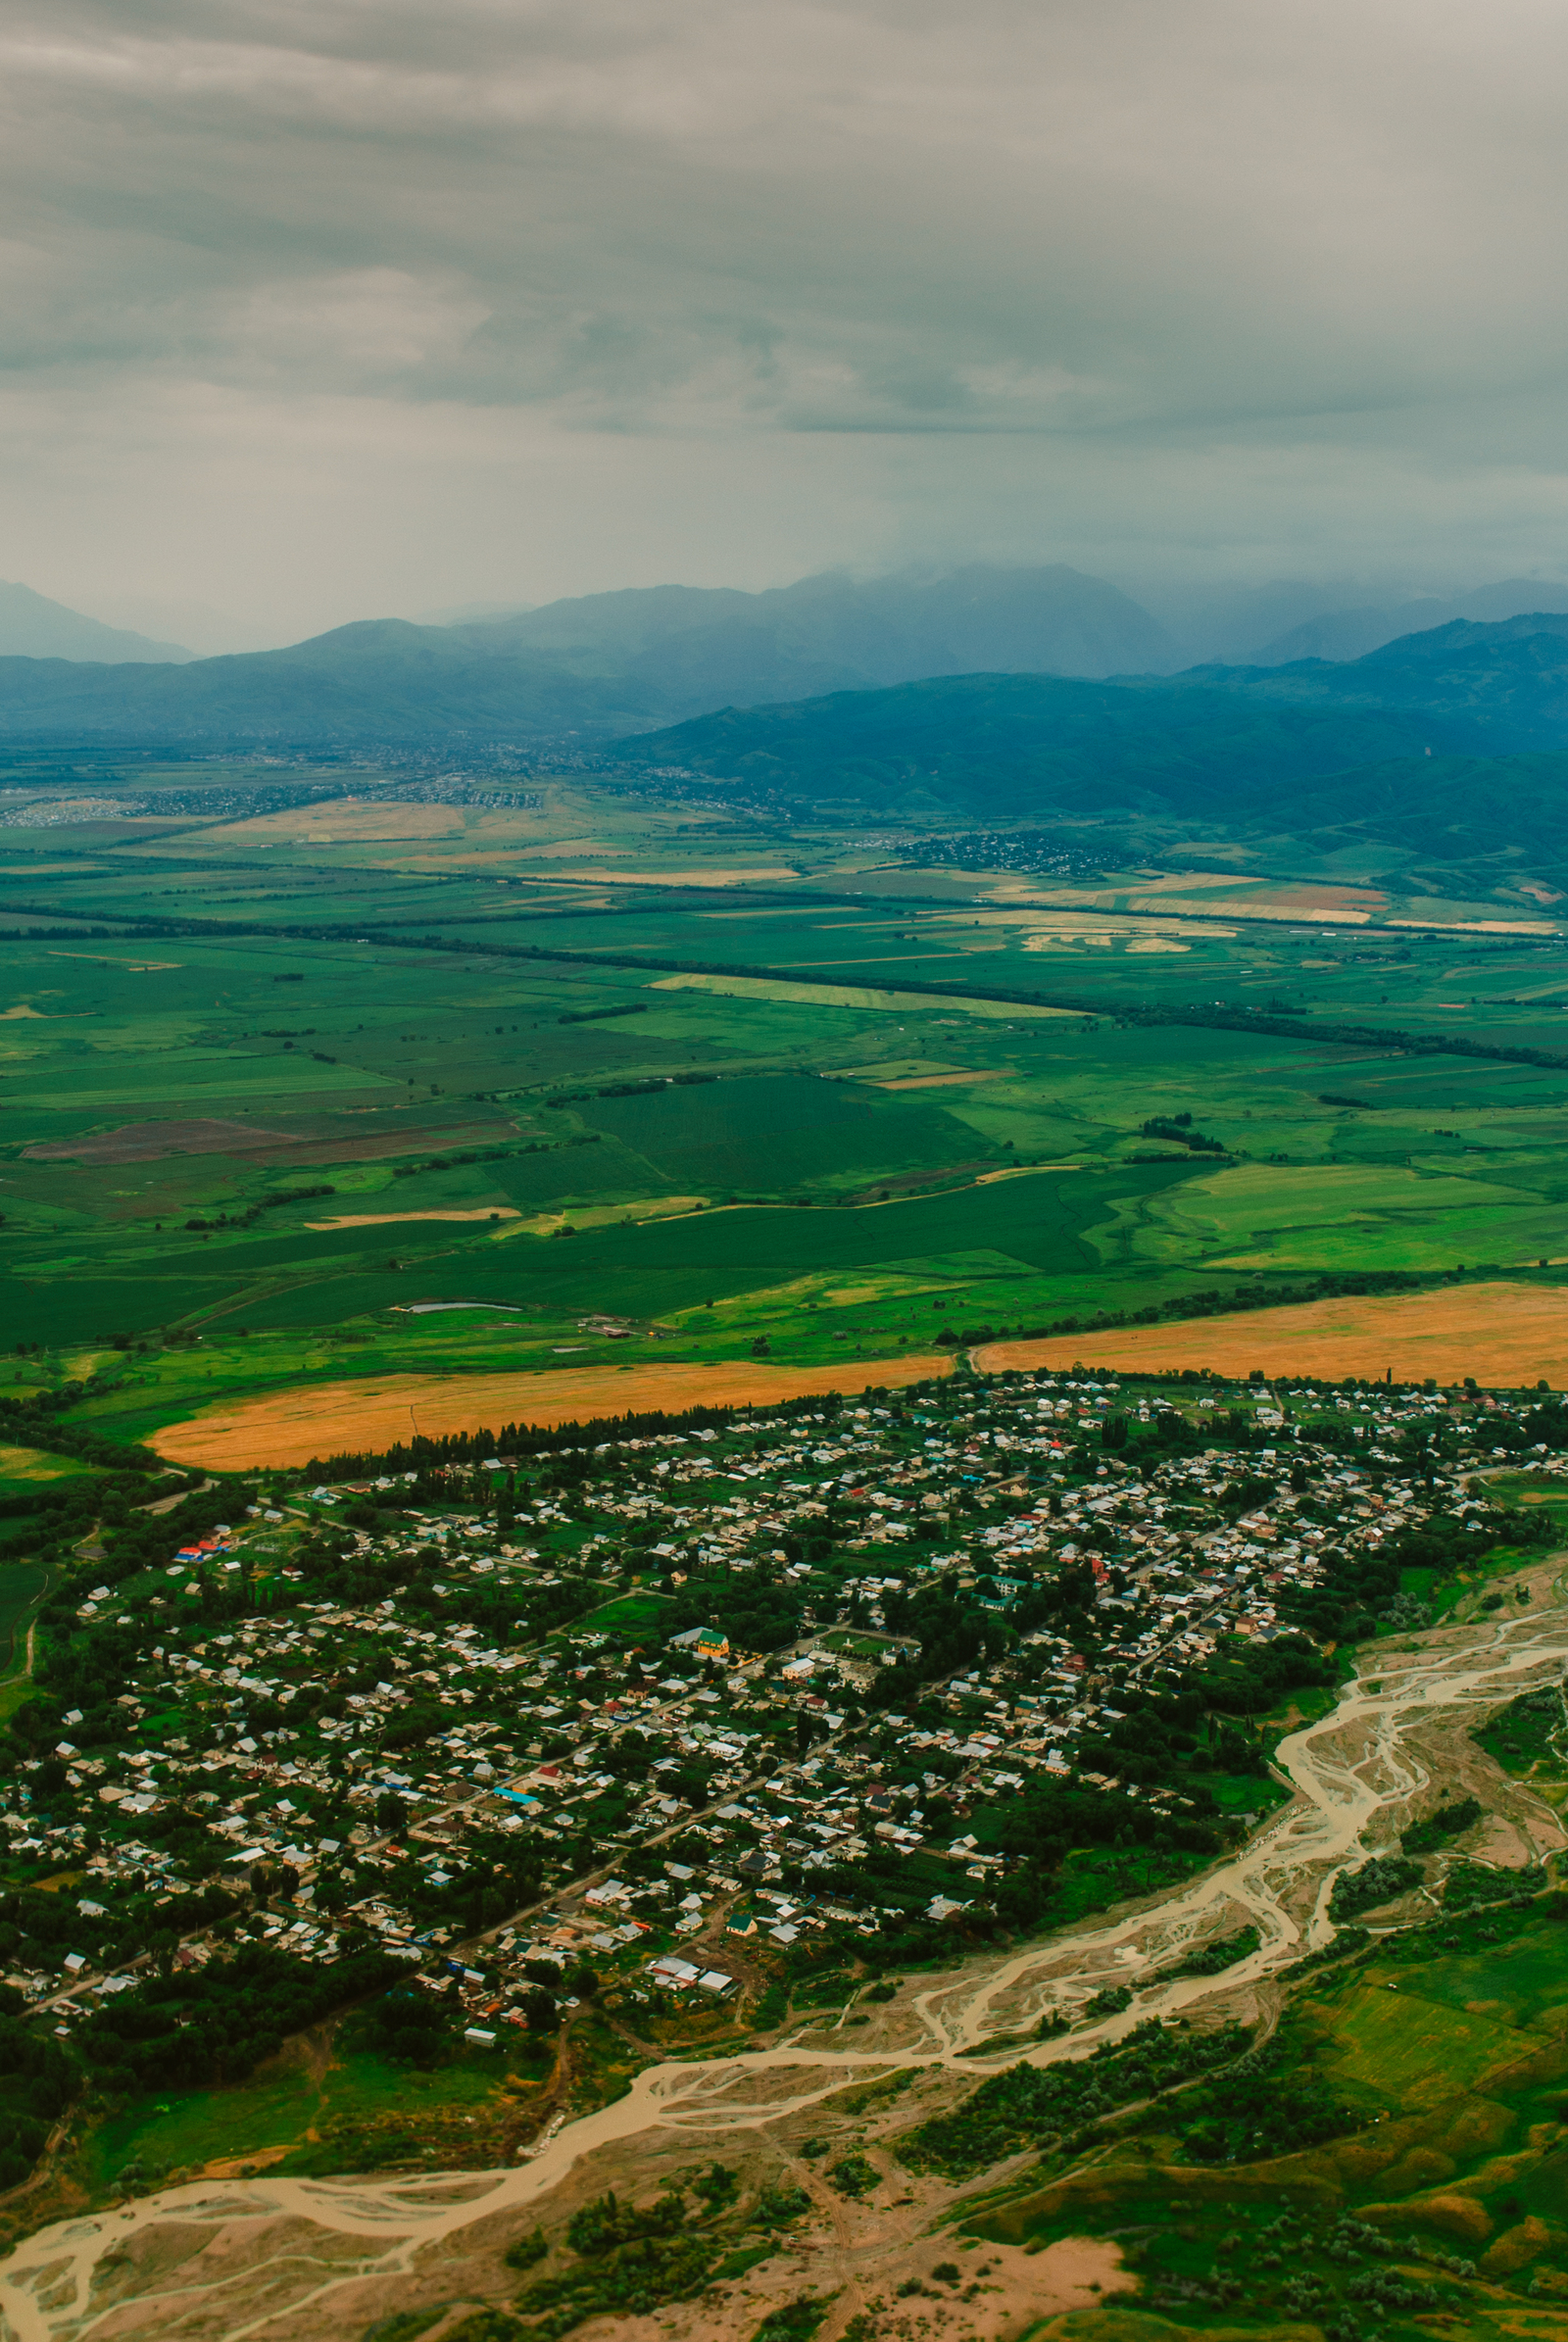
[
  {"x": 854, "y": 2176},
  {"x": 780, "y": 2203},
  {"x": 1212, "y": 1958},
  {"x": 796, "y": 2322},
  {"x": 1028, "y": 2105},
  {"x": 1376, "y": 1881},
  {"x": 1425, "y": 1837},
  {"x": 640, "y": 2259}
]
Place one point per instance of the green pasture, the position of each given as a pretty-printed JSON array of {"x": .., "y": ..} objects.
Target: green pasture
[
  {"x": 634, "y": 1614},
  {"x": 1389, "y": 2037},
  {"x": 1507, "y": 1985},
  {"x": 288, "y": 2106},
  {"x": 1347, "y": 1217},
  {"x": 26, "y": 1469}
]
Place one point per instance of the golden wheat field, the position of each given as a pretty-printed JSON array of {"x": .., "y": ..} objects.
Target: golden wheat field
[
  {"x": 1500, "y": 1334},
  {"x": 325, "y": 1419}
]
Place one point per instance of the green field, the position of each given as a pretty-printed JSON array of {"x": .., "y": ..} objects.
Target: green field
[
  {"x": 292, "y": 2106},
  {"x": 203, "y": 1017}
]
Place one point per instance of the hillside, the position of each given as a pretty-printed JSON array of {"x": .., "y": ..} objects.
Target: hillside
[
  {"x": 380, "y": 679},
  {"x": 1450, "y": 745},
  {"x": 1000, "y": 746}
]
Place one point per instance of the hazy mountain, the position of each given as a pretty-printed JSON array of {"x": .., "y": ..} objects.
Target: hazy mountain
[
  {"x": 710, "y": 646},
  {"x": 34, "y": 627},
  {"x": 1233, "y": 624},
  {"x": 1240, "y": 624},
  {"x": 602, "y": 664},
  {"x": 1219, "y": 743},
  {"x": 380, "y": 679},
  {"x": 1343, "y": 634}
]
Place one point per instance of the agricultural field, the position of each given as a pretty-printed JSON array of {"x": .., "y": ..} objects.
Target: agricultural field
[
  {"x": 1493, "y": 1332},
  {"x": 580, "y": 1078}
]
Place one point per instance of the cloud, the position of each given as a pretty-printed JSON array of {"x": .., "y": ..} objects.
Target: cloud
[{"x": 296, "y": 289}]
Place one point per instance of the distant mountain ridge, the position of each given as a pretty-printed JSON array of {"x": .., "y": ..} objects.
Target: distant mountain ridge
[
  {"x": 684, "y": 676},
  {"x": 1351, "y": 633},
  {"x": 609, "y": 662},
  {"x": 32, "y": 626},
  {"x": 718, "y": 645}
]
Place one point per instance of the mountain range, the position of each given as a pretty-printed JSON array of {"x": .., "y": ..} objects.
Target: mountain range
[
  {"x": 870, "y": 695},
  {"x": 615, "y": 663},
  {"x": 608, "y": 662}
]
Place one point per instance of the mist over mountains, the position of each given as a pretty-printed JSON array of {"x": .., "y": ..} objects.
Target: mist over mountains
[
  {"x": 32, "y": 626},
  {"x": 613, "y": 663},
  {"x": 610, "y": 661},
  {"x": 987, "y": 693}
]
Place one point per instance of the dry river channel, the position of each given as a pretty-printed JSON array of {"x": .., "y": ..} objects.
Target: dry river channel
[{"x": 1353, "y": 1772}]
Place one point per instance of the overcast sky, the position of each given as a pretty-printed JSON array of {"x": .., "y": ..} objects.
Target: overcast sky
[{"x": 343, "y": 308}]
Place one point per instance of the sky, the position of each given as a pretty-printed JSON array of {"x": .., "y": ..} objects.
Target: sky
[{"x": 372, "y": 307}]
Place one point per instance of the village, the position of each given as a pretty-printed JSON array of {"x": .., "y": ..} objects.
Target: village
[{"x": 698, "y": 1709}]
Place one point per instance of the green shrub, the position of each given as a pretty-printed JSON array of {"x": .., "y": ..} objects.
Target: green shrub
[
  {"x": 1213, "y": 1958},
  {"x": 1425, "y": 1837},
  {"x": 854, "y": 2176},
  {"x": 780, "y": 2203},
  {"x": 796, "y": 2322},
  {"x": 1027, "y": 2105},
  {"x": 1376, "y": 1881}
]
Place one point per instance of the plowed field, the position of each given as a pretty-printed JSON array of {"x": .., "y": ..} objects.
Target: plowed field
[{"x": 325, "y": 1419}]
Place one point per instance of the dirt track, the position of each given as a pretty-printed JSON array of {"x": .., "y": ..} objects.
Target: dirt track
[
  {"x": 1500, "y": 1334},
  {"x": 292, "y": 1427}
]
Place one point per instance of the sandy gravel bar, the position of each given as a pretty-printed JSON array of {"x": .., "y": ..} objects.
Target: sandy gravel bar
[
  {"x": 325, "y": 1419},
  {"x": 1503, "y": 1335}
]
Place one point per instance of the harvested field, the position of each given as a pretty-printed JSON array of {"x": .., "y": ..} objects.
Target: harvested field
[
  {"x": 855, "y": 996},
  {"x": 1501, "y": 1333},
  {"x": 943, "y": 1081},
  {"x": 389, "y": 1219},
  {"x": 144, "y": 1141},
  {"x": 320, "y": 1138},
  {"x": 322, "y": 1419}
]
